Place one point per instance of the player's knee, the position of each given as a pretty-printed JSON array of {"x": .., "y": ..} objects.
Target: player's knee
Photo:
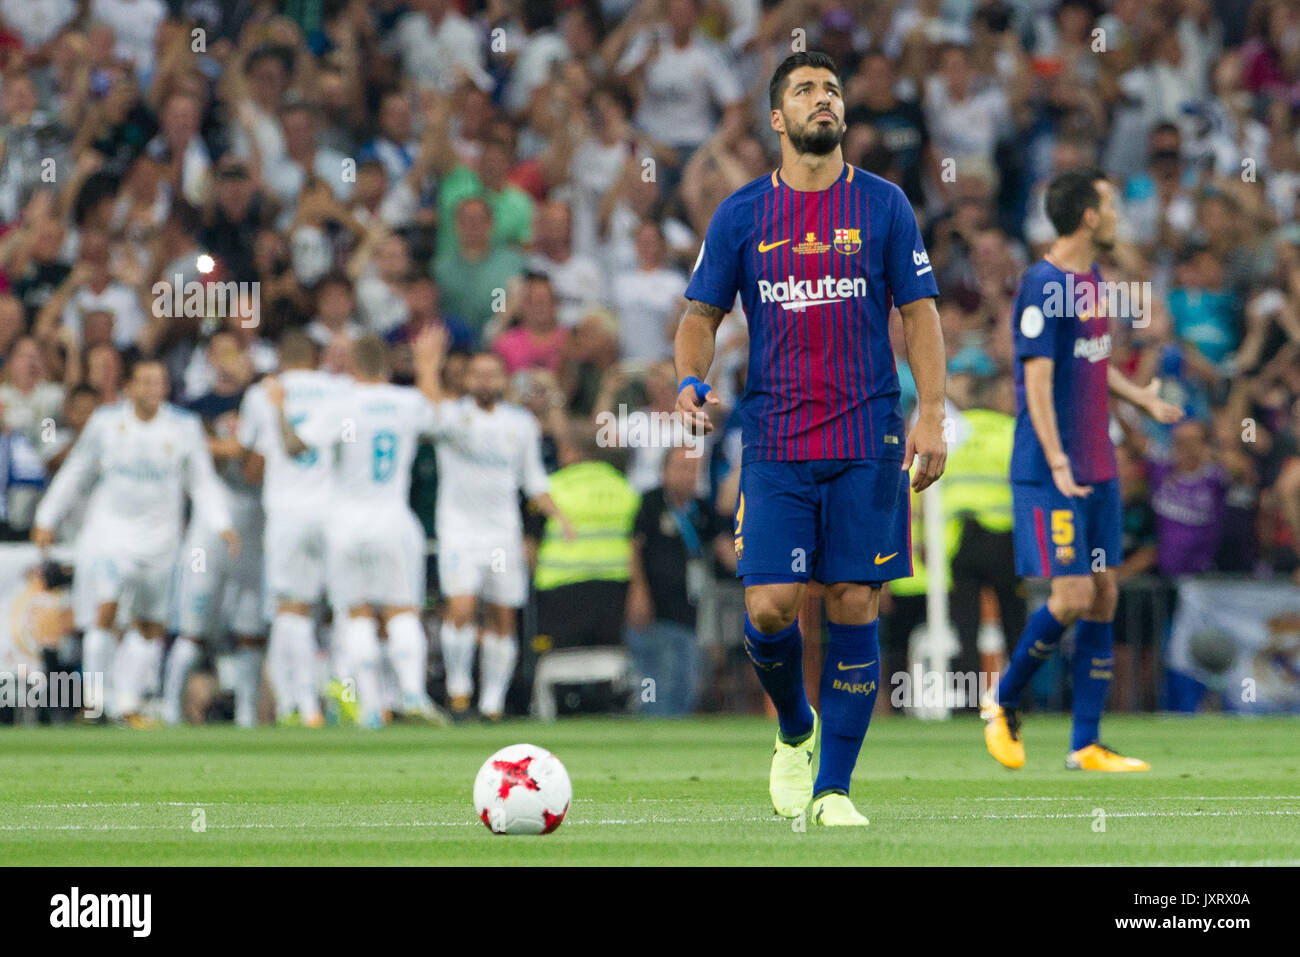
[
  {"x": 106, "y": 616},
  {"x": 1105, "y": 598},
  {"x": 771, "y": 613},
  {"x": 1074, "y": 595},
  {"x": 851, "y": 603}
]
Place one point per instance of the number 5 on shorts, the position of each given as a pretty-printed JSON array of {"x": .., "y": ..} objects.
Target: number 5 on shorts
[{"x": 1062, "y": 526}]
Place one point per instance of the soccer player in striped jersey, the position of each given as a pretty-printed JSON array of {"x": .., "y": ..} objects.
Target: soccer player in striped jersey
[
  {"x": 1064, "y": 485},
  {"x": 820, "y": 253}
]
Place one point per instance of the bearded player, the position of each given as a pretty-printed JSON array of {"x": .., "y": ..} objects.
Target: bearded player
[
  {"x": 819, "y": 252},
  {"x": 1064, "y": 485}
]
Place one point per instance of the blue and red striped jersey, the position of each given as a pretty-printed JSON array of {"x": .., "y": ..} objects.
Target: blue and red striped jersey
[
  {"x": 817, "y": 273},
  {"x": 1062, "y": 316}
]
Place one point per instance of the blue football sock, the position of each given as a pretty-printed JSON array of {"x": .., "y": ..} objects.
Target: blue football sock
[
  {"x": 1041, "y": 636},
  {"x": 1094, "y": 659},
  {"x": 778, "y": 662},
  {"x": 850, "y": 682}
]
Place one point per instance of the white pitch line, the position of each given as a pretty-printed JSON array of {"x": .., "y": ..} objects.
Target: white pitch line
[
  {"x": 611, "y": 822},
  {"x": 1109, "y": 814},
  {"x": 303, "y": 825},
  {"x": 1265, "y": 862},
  {"x": 1179, "y": 797}
]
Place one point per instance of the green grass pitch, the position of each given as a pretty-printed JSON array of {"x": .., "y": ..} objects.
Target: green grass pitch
[{"x": 676, "y": 793}]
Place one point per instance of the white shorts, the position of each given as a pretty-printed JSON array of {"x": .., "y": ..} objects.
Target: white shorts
[
  {"x": 141, "y": 585},
  {"x": 496, "y": 574},
  {"x": 376, "y": 559},
  {"x": 218, "y": 593},
  {"x": 296, "y": 556}
]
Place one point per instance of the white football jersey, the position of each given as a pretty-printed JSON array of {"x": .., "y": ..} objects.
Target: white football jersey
[
  {"x": 372, "y": 431},
  {"x": 484, "y": 460},
  {"x": 140, "y": 472},
  {"x": 295, "y": 482}
]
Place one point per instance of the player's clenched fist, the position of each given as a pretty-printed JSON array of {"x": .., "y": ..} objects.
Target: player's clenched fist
[
  {"x": 692, "y": 397},
  {"x": 926, "y": 446}
]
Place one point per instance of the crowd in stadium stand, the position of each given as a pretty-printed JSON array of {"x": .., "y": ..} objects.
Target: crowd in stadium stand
[{"x": 536, "y": 175}]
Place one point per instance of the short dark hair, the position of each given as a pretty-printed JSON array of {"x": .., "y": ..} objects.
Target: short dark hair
[
  {"x": 82, "y": 389},
  {"x": 371, "y": 354},
  {"x": 140, "y": 360},
  {"x": 780, "y": 79},
  {"x": 1069, "y": 195},
  {"x": 297, "y": 348}
]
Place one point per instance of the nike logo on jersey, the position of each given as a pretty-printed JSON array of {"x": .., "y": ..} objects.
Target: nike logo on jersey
[
  {"x": 881, "y": 561},
  {"x": 764, "y": 247},
  {"x": 843, "y": 667}
]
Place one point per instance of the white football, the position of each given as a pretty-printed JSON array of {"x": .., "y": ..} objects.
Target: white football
[{"x": 522, "y": 789}]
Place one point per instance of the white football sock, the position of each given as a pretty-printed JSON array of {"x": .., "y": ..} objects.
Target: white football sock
[
  {"x": 181, "y": 657},
  {"x": 306, "y": 680},
  {"x": 98, "y": 649},
  {"x": 151, "y": 662},
  {"x": 361, "y": 658},
  {"x": 496, "y": 668},
  {"x": 389, "y": 689},
  {"x": 291, "y": 665},
  {"x": 128, "y": 671},
  {"x": 408, "y": 649},
  {"x": 279, "y": 662},
  {"x": 458, "y": 658},
  {"x": 248, "y": 685}
]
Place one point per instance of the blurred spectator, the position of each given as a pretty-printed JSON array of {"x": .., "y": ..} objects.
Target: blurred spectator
[
  {"x": 335, "y": 310},
  {"x": 476, "y": 274},
  {"x": 677, "y": 539},
  {"x": 582, "y": 583},
  {"x": 1187, "y": 495},
  {"x": 648, "y": 299},
  {"x": 537, "y": 342},
  {"x": 576, "y": 280}
]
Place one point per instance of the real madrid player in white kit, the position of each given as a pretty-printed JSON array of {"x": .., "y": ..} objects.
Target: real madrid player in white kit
[
  {"x": 296, "y": 496},
  {"x": 220, "y": 593},
  {"x": 372, "y": 431},
  {"x": 140, "y": 456},
  {"x": 488, "y": 452}
]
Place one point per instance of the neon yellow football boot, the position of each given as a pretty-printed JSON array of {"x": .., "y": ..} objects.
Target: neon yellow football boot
[
  {"x": 1098, "y": 757},
  {"x": 836, "y": 810},
  {"x": 791, "y": 780},
  {"x": 1002, "y": 732}
]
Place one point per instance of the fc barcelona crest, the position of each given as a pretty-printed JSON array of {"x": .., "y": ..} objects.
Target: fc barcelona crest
[{"x": 847, "y": 241}]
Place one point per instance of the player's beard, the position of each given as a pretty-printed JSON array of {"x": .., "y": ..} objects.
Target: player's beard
[
  {"x": 486, "y": 398},
  {"x": 815, "y": 138}
]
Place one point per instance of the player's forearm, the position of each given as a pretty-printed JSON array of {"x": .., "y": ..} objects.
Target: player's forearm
[
  {"x": 1042, "y": 408},
  {"x": 292, "y": 444},
  {"x": 1122, "y": 386},
  {"x": 694, "y": 343},
  {"x": 925, "y": 354},
  {"x": 428, "y": 372},
  {"x": 546, "y": 505}
]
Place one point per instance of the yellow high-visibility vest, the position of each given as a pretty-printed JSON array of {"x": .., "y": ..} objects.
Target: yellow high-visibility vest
[
  {"x": 602, "y": 507},
  {"x": 976, "y": 481}
]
